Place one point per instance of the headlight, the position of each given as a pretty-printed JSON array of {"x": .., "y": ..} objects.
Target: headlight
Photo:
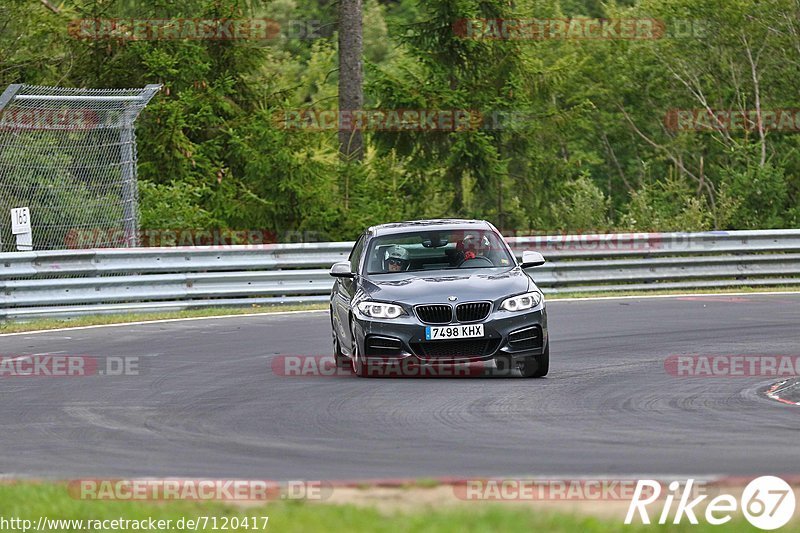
[
  {"x": 380, "y": 310},
  {"x": 522, "y": 302}
]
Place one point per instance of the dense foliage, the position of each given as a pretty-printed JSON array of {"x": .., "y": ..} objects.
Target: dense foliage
[{"x": 589, "y": 148}]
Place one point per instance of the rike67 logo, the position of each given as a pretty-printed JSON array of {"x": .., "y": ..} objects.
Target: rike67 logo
[{"x": 767, "y": 503}]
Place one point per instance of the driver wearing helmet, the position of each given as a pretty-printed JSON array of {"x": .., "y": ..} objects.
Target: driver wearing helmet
[
  {"x": 396, "y": 259},
  {"x": 473, "y": 246},
  {"x": 469, "y": 245}
]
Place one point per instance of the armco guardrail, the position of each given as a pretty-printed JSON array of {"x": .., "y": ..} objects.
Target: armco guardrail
[{"x": 76, "y": 282}]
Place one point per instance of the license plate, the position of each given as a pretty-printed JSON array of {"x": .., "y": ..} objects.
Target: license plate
[{"x": 453, "y": 332}]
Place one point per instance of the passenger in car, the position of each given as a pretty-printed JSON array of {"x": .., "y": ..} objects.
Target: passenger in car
[{"x": 396, "y": 259}]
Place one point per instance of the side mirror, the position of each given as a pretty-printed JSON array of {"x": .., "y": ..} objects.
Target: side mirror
[
  {"x": 532, "y": 259},
  {"x": 342, "y": 270}
]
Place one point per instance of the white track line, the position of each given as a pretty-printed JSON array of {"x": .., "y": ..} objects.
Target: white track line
[{"x": 687, "y": 295}]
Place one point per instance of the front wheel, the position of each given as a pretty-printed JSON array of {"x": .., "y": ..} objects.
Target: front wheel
[
  {"x": 341, "y": 360},
  {"x": 537, "y": 366},
  {"x": 358, "y": 366}
]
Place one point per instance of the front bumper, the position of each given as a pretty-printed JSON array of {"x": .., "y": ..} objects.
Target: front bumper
[{"x": 506, "y": 334}]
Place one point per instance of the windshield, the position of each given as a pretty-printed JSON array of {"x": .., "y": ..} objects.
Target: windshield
[{"x": 437, "y": 250}]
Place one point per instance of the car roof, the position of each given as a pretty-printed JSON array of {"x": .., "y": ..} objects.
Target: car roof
[{"x": 444, "y": 224}]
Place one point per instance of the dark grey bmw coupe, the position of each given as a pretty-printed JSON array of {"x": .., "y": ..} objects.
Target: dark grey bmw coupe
[{"x": 438, "y": 292}]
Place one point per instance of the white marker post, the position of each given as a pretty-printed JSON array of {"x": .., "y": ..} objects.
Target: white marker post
[{"x": 21, "y": 227}]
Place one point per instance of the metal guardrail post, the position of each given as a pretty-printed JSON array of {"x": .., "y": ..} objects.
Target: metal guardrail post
[
  {"x": 8, "y": 94},
  {"x": 130, "y": 192},
  {"x": 130, "y": 216}
]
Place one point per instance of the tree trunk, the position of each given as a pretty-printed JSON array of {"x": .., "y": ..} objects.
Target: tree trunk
[{"x": 351, "y": 76}]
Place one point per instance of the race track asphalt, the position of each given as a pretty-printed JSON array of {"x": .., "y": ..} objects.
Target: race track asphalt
[{"x": 207, "y": 403}]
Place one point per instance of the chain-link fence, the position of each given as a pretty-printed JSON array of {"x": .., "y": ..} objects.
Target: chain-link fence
[{"x": 70, "y": 156}]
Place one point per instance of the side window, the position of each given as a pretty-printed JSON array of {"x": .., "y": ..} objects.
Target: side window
[{"x": 355, "y": 254}]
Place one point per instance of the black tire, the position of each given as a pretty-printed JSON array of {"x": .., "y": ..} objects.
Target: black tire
[
  {"x": 358, "y": 366},
  {"x": 503, "y": 364},
  {"x": 341, "y": 360},
  {"x": 537, "y": 366}
]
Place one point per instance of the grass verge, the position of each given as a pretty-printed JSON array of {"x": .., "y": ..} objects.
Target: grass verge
[
  {"x": 30, "y": 501},
  {"x": 94, "y": 320}
]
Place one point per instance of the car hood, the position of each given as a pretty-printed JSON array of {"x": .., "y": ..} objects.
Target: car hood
[{"x": 435, "y": 287}]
